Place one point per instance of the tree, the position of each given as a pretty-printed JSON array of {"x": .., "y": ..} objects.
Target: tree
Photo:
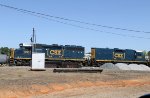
[
  {"x": 145, "y": 53},
  {"x": 5, "y": 50}
]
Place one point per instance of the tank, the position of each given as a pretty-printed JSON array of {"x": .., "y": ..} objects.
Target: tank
[{"x": 3, "y": 58}]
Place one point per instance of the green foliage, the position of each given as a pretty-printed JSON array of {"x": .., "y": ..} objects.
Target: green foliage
[
  {"x": 145, "y": 52},
  {"x": 5, "y": 50}
]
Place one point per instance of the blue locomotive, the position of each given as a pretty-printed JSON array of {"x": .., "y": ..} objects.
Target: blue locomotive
[
  {"x": 55, "y": 55},
  {"x": 100, "y": 56},
  {"x": 73, "y": 56}
]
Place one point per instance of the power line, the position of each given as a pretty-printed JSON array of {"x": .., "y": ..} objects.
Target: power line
[
  {"x": 87, "y": 28},
  {"x": 66, "y": 19}
]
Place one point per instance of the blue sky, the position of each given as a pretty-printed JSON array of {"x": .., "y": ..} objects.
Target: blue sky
[{"x": 16, "y": 27}]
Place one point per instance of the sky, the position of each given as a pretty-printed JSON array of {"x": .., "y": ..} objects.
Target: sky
[{"x": 16, "y": 27}]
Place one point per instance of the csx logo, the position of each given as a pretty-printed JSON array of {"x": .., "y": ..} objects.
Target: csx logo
[
  {"x": 55, "y": 52},
  {"x": 117, "y": 55}
]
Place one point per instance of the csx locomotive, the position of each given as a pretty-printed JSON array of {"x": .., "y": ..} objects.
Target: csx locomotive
[
  {"x": 73, "y": 56},
  {"x": 55, "y": 55},
  {"x": 100, "y": 56}
]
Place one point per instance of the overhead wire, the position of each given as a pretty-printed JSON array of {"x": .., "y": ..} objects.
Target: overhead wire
[
  {"x": 87, "y": 28},
  {"x": 66, "y": 19},
  {"x": 82, "y": 27}
]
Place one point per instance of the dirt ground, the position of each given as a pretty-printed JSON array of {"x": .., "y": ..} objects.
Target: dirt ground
[{"x": 20, "y": 82}]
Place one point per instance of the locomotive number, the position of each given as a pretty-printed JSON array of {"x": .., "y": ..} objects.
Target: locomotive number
[
  {"x": 117, "y": 55},
  {"x": 55, "y": 52}
]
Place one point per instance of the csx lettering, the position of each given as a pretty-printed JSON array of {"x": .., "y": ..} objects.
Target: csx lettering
[
  {"x": 118, "y": 55},
  {"x": 55, "y": 52}
]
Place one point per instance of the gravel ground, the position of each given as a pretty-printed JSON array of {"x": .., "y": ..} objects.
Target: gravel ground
[
  {"x": 20, "y": 82},
  {"x": 123, "y": 66}
]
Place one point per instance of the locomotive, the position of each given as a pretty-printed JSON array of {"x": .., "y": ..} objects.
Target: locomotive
[
  {"x": 99, "y": 56},
  {"x": 73, "y": 56},
  {"x": 55, "y": 55}
]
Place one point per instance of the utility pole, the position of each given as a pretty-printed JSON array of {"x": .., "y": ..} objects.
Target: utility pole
[{"x": 33, "y": 41}]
